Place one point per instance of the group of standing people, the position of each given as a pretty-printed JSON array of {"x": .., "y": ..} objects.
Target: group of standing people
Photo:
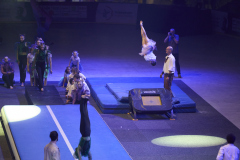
[
  {"x": 38, "y": 62},
  {"x": 35, "y": 58}
]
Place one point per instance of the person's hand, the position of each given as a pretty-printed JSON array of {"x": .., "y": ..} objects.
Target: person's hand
[
  {"x": 47, "y": 47},
  {"x": 8, "y": 72},
  {"x": 161, "y": 75},
  {"x": 141, "y": 23},
  {"x": 85, "y": 96},
  {"x": 167, "y": 78},
  {"x": 79, "y": 153},
  {"x": 25, "y": 44}
]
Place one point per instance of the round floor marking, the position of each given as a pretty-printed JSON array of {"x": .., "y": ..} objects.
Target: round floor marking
[
  {"x": 188, "y": 141},
  {"x": 16, "y": 113}
]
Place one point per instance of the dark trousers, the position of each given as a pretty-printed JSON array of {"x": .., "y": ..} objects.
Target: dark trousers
[
  {"x": 8, "y": 79},
  {"x": 176, "y": 56},
  {"x": 168, "y": 82},
  {"x": 40, "y": 67},
  {"x": 22, "y": 67},
  {"x": 85, "y": 129}
]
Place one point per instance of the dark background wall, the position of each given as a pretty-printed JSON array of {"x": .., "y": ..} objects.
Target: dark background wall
[
  {"x": 157, "y": 18},
  {"x": 185, "y": 20}
]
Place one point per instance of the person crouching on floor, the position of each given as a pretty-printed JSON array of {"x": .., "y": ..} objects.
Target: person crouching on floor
[
  {"x": 70, "y": 88},
  {"x": 7, "y": 72}
]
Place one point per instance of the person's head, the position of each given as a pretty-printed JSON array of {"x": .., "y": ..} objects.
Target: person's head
[
  {"x": 76, "y": 78},
  {"x": 75, "y": 53},
  {"x": 74, "y": 70},
  {"x": 39, "y": 38},
  {"x": 31, "y": 49},
  {"x": 80, "y": 83},
  {"x": 6, "y": 59},
  {"x": 54, "y": 136},
  {"x": 22, "y": 37},
  {"x": 71, "y": 80},
  {"x": 231, "y": 138},
  {"x": 169, "y": 50},
  {"x": 67, "y": 70},
  {"x": 153, "y": 62},
  {"x": 172, "y": 31},
  {"x": 42, "y": 46},
  {"x": 39, "y": 41}
]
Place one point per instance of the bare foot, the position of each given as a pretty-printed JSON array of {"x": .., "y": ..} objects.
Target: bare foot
[
  {"x": 42, "y": 89},
  {"x": 11, "y": 87},
  {"x": 67, "y": 101},
  {"x": 22, "y": 85}
]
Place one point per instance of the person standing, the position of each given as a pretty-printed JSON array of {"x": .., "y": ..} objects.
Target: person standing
[
  {"x": 173, "y": 40},
  {"x": 228, "y": 151},
  {"x": 51, "y": 150},
  {"x": 168, "y": 69},
  {"x": 47, "y": 70},
  {"x": 40, "y": 62},
  {"x": 32, "y": 73},
  {"x": 7, "y": 72},
  {"x": 22, "y": 51}
]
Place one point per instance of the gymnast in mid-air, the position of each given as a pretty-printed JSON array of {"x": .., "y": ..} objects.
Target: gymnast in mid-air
[{"x": 148, "y": 46}]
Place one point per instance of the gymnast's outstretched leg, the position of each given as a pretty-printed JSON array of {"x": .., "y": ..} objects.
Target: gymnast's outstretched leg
[{"x": 143, "y": 34}]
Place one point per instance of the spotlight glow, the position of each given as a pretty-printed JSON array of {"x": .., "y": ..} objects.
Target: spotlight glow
[
  {"x": 16, "y": 113},
  {"x": 189, "y": 141},
  {"x": 1, "y": 131}
]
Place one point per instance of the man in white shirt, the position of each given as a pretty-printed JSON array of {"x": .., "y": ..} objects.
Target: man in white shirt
[
  {"x": 168, "y": 69},
  {"x": 228, "y": 151},
  {"x": 51, "y": 150}
]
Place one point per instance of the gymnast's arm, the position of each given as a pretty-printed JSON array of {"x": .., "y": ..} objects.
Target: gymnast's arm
[
  {"x": 28, "y": 63},
  {"x": 50, "y": 59},
  {"x": 70, "y": 61},
  {"x": 2, "y": 70},
  {"x": 86, "y": 91}
]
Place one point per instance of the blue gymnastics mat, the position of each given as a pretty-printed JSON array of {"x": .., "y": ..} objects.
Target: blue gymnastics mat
[
  {"x": 28, "y": 128},
  {"x": 111, "y": 93}
]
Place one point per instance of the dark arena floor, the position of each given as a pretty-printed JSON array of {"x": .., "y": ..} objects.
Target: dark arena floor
[{"x": 210, "y": 77}]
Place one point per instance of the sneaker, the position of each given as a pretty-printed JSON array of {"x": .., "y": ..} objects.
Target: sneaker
[
  {"x": 22, "y": 85},
  {"x": 179, "y": 76}
]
